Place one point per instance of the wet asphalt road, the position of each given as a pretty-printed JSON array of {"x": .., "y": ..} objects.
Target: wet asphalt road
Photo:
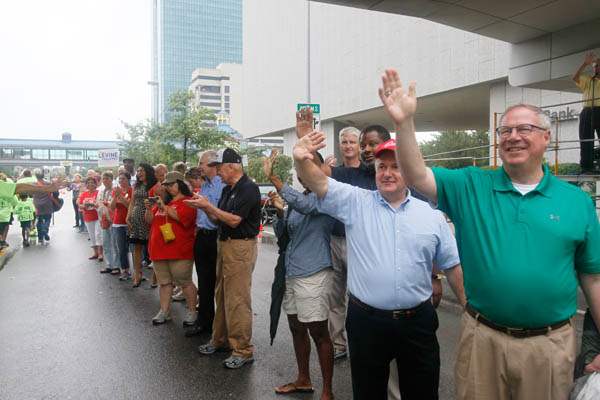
[{"x": 68, "y": 332}]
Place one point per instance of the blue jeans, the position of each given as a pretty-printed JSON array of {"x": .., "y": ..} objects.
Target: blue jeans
[
  {"x": 110, "y": 253},
  {"x": 121, "y": 246},
  {"x": 43, "y": 226}
]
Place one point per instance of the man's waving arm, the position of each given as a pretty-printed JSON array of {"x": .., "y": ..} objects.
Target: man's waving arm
[{"x": 401, "y": 106}]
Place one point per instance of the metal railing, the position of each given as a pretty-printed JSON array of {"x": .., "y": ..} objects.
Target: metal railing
[{"x": 556, "y": 145}]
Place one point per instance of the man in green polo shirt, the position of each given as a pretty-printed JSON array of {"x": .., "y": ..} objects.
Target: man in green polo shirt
[{"x": 525, "y": 238}]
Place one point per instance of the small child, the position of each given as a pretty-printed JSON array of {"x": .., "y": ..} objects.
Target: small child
[{"x": 25, "y": 211}]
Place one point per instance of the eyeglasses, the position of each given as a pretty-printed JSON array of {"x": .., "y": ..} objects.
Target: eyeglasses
[{"x": 522, "y": 130}]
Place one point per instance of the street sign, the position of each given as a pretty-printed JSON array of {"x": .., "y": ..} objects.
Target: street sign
[
  {"x": 108, "y": 158},
  {"x": 316, "y": 109}
]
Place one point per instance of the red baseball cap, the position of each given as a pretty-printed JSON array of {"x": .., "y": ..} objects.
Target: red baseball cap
[{"x": 387, "y": 145}]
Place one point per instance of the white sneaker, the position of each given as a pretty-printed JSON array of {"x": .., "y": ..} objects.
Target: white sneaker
[
  {"x": 161, "y": 317},
  {"x": 178, "y": 296},
  {"x": 190, "y": 318}
]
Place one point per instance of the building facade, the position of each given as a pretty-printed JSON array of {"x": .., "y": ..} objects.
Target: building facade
[
  {"x": 190, "y": 34},
  {"x": 334, "y": 56},
  {"x": 220, "y": 90}
]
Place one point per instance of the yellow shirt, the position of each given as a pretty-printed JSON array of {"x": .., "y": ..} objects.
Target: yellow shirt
[{"x": 589, "y": 91}]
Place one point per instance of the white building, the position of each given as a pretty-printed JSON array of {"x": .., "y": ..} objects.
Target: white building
[
  {"x": 469, "y": 61},
  {"x": 220, "y": 90}
]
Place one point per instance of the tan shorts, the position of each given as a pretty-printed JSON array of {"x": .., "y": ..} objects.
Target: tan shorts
[
  {"x": 178, "y": 272},
  {"x": 307, "y": 296}
]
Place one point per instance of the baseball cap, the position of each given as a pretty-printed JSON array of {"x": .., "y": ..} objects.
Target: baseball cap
[
  {"x": 226, "y": 156},
  {"x": 387, "y": 145},
  {"x": 173, "y": 177}
]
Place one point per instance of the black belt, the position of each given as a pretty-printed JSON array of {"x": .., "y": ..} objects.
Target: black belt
[
  {"x": 240, "y": 238},
  {"x": 393, "y": 314},
  {"x": 206, "y": 232},
  {"x": 514, "y": 332}
]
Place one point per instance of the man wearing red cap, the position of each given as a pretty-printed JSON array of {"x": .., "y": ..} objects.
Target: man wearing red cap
[{"x": 393, "y": 241}]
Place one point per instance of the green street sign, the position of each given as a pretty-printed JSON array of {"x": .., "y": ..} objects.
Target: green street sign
[{"x": 316, "y": 108}]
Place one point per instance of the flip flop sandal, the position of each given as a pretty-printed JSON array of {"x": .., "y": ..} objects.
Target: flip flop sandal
[{"x": 292, "y": 388}]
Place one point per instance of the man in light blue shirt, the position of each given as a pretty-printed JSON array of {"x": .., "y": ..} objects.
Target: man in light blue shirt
[
  {"x": 205, "y": 247},
  {"x": 393, "y": 241}
]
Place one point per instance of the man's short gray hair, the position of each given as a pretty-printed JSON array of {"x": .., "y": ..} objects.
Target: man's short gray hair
[
  {"x": 544, "y": 121},
  {"x": 349, "y": 130},
  {"x": 211, "y": 154}
]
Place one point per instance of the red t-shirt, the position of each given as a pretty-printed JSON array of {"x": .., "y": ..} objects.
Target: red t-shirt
[
  {"x": 120, "y": 214},
  {"x": 89, "y": 214},
  {"x": 182, "y": 248}
]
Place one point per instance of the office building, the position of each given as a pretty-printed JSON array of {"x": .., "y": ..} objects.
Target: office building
[
  {"x": 220, "y": 90},
  {"x": 190, "y": 34}
]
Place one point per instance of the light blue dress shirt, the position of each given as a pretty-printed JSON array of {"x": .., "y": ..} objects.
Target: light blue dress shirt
[
  {"x": 390, "y": 251},
  {"x": 308, "y": 250},
  {"x": 211, "y": 189}
]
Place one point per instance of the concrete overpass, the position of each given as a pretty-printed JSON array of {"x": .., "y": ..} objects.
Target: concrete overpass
[
  {"x": 470, "y": 59},
  {"x": 547, "y": 36}
]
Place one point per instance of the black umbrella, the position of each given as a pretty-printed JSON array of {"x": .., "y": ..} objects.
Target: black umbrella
[{"x": 278, "y": 286}]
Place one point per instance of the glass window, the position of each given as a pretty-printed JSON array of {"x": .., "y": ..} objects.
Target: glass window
[
  {"x": 39, "y": 154},
  {"x": 75, "y": 154},
  {"x": 22, "y": 154},
  {"x": 58, "y": 154},
  {"x": 210, "y": 97},
  {"x": 210, "y": 89},
  {"x": 226, "y": 89},
  {"x": 226, "y": 98},
  {"x": 6, "y": 153},
  {"x": 92, "y": 154},
  {"x": 207, "y": 104}
]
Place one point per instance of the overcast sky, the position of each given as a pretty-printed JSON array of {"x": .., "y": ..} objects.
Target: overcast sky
[{"x": 78, "y": 66}]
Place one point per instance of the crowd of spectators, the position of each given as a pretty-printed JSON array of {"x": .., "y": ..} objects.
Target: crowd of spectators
[{"x": 362, "y": 248}]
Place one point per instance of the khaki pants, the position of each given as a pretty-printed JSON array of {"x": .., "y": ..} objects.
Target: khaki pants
[
  {"x": 232, "y": 326},
  {"x": 491, "y": 365},
  {"x": 338, "y": 299}
]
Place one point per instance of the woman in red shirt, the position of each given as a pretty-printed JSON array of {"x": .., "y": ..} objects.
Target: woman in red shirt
[
  {"x": 173, "y": 259},
  {"x": 119, "y": 206},
  {"x": 88, "y": 206}
]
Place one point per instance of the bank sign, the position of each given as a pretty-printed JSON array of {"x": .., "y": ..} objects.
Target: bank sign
[
  {"x": 108, "y": 158},
  {"x": 562, "y": 115}
]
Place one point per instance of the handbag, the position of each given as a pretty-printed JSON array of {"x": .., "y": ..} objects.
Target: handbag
[
  {"x": 105, "y": 221},
  {"x": 167, "y": 231}
]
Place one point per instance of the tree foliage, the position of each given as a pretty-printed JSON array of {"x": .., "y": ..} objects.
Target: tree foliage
[
  {"x": 188, "y": 131},
  {"x": 282, "y": 167},
  {"x": 443, "y": 142}
]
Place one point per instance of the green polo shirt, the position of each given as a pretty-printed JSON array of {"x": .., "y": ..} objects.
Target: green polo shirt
[{"x": 520, "y": 254}]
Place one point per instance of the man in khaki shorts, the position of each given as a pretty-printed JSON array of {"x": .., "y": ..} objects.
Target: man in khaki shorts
[{"x": 308, "y": 283}]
